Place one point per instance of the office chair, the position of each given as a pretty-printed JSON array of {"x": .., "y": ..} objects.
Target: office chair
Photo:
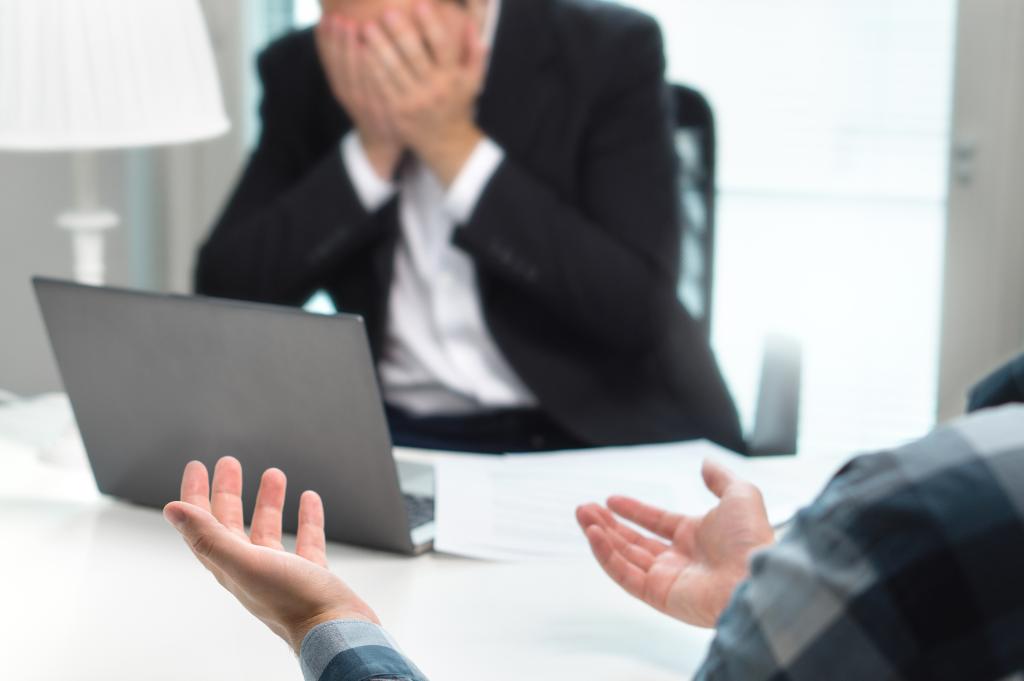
[
  {"x": 695, "y": 146},
  {"x": 776, "y": 421}
]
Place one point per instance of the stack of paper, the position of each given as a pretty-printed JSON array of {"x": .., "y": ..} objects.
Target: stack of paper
[{"x": 522, "y": 507}]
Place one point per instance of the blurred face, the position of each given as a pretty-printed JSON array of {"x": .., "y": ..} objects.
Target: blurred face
[{"x": 452, "y": 12}]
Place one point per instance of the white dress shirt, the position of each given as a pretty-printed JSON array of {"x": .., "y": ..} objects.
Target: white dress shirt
[{"x": 439, "y": 357}]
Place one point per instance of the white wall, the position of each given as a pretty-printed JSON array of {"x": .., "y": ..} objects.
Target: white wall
[{"x": 983, "y": 320}]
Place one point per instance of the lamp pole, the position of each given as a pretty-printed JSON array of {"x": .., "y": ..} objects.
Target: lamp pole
[{"x": 88, "y": 221}]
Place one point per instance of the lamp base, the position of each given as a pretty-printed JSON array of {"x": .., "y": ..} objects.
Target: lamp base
[{"x": 87, "y": 229}]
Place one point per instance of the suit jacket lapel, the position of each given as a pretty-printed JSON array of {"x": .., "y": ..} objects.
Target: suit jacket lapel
[{"x": 517, "y": 87}]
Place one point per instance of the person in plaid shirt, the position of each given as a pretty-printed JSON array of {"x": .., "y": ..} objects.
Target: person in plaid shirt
[{"x": 909, "y": 565}]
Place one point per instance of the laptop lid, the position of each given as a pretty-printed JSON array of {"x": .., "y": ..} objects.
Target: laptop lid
[{"x": 156, "y": 380}]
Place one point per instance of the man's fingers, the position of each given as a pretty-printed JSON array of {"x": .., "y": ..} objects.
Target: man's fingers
[
  {"x": 327, "y": 38},
  {"x": 195, "y": 485},
  {"x": 266, "y": 516},
  {"x": 627, "y": 575},
  {"x": 310, "y": 542},
  {"x": 211, "y": 541},
  {"x": 348, "y": 49},
  {"x": 409, "y": 43},
  {"x": 478, "y": 10},
  {"x": 443, "y": 48},
  {"x": 648, "y": 544},
  {"x": 587, "y": 515},
  {"x": 382, "y": 88},
  {"x": 595, "y": 514},
  {"x": 226, "y": 500},
  {"x": 627, "y": 542},
  {"x": 337, "y": 41},
  {"x": 386, "y": 58},
  {"x": 474, "y": 52},
  {"x": 651, "y": 518},
  {"x": 324, "y": 30},
  {"x": 633, "y": 553},
  {"x": 195, "y": 490},
  {"x": 373, "y": 95}
]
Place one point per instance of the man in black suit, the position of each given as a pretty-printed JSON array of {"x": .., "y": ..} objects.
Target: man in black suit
[{"x": 493, "y": 188}]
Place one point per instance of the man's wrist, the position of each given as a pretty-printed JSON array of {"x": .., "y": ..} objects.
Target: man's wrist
[
  {"x": 448, "y": 152},
  {"x": 731, "y": 579},
  {"x": 383, "y": 156},
  {"x": 722, "y": 597},
  {"x": 297, "y": 633}
]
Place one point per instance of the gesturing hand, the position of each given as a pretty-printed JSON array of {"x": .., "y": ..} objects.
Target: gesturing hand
[
  {"x": 693, "y": 576},
  {"x": 290, "y": 592},
  {"x": 430, "y": 70},
  {"x": 345, "y": 62}
]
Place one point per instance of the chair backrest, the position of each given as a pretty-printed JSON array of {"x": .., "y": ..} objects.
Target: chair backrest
[{"x": 695, "y": 145}]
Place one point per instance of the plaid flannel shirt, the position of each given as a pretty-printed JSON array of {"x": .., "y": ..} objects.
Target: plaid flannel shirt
[
  {"x": 349, "y": 650},
  {"x": 909, "y": 566}
]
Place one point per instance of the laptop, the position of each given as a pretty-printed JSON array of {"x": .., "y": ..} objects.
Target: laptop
[{"x": 157, "y": 380}]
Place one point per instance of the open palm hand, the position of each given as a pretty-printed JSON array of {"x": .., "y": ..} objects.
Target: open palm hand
[
  {"x": 692, "y": 573},
  {"x": 290, "y": 592}
]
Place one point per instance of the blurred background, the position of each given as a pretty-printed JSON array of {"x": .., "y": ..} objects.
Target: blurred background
[{"x": 870, "y": 166}]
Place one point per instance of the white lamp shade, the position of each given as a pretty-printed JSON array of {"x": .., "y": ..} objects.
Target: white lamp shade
[{"x": 96, "y": 74}]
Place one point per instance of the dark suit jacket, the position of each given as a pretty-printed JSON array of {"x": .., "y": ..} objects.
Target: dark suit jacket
[{"x": 576, "y": 238}]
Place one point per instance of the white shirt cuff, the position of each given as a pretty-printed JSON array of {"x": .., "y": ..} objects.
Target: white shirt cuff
[
  {"x": 469, "y": 184},
  {"x": 373, "y": 192}
]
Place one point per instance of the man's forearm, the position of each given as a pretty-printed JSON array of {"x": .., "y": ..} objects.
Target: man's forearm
[
  {"x": 382, "y": 156},
  {"x": 256, "y": 250}
]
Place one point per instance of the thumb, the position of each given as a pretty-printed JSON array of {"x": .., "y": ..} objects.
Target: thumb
[
  {"x": 208, "y": 538},
  {"x": 718, "y": 478}
]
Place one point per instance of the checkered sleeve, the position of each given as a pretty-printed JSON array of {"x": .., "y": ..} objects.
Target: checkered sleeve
[
  {"x": 349, "y": 650},
  {"x": 910, "y": 565}
]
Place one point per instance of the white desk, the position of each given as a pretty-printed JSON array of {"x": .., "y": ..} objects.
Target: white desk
[{"x": 92, "y": 588}]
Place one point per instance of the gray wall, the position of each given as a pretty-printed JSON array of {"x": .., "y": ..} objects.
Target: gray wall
[
  {"x": 33, "y": 189},
  {"x": 167, "y": 199}
]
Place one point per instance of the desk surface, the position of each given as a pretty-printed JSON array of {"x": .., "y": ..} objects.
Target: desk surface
[{"x": 94, "y": 588}]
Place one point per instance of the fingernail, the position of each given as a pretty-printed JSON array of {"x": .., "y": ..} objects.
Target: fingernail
[
  {"x": 175, "y": 516},
  {"x": 393, "y": 17}
]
